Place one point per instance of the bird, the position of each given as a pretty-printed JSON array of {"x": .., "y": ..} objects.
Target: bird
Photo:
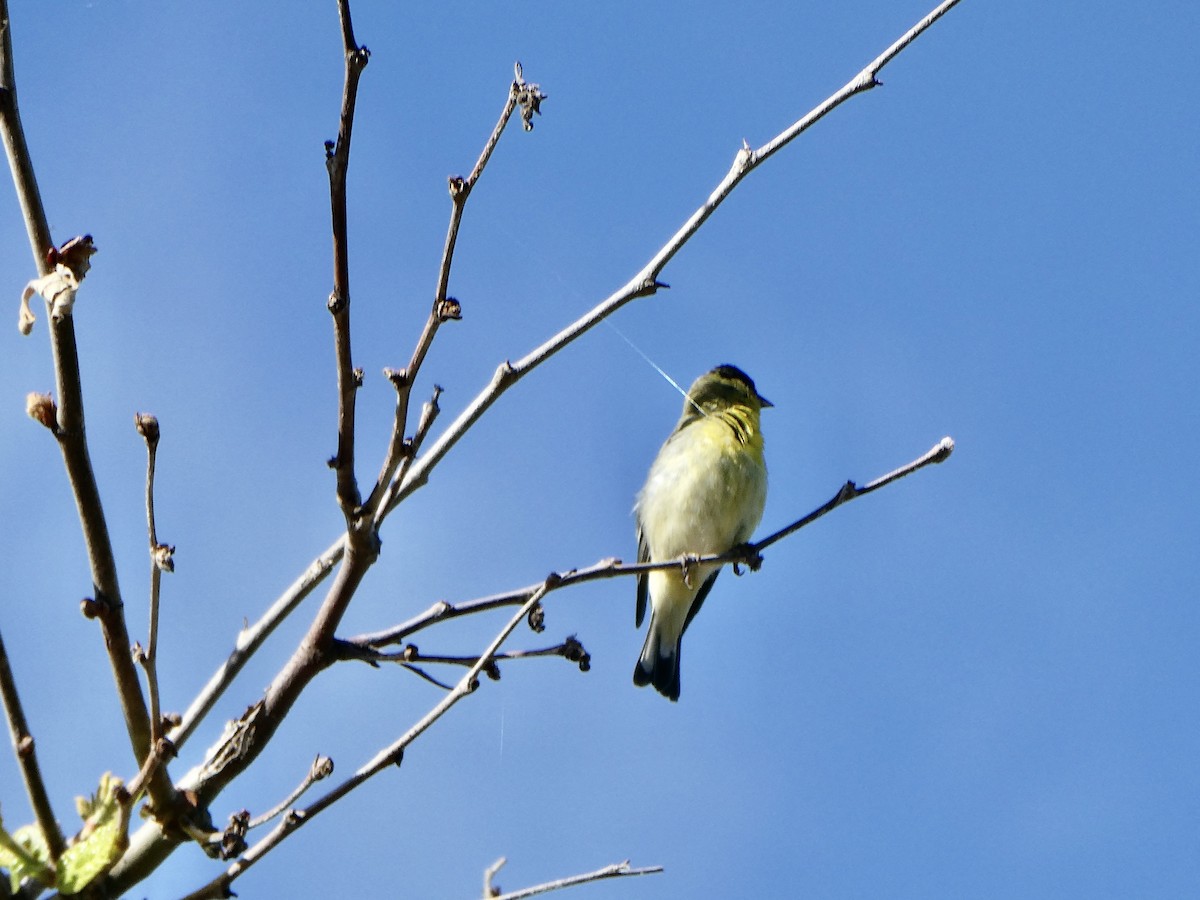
[{"x": 704, "y": 494}]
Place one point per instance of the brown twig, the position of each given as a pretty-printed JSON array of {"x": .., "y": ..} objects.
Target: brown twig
[
  {"x": 161, "y": 560},
  {"x": 445, "y": 308},
  {"x": 337, "y": 161},
  {"x": 410, "y": 657},
  {"x": 321, "y": 768},
  {"x": 27, "y": 760}
]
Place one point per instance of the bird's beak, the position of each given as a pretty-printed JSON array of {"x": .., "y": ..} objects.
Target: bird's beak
[{"x": 764, "y": 402}]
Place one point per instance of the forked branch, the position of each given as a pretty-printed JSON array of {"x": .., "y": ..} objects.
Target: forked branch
[{"x": 445, "y": 308}]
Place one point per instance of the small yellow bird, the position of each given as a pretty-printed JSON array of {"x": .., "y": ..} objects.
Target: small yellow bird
[{"x": 705, "y": 494}]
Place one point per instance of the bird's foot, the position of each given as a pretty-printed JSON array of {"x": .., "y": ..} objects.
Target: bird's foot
[
  {"x": 688, "y": 563},
  {"x": 749, "y": 556}
]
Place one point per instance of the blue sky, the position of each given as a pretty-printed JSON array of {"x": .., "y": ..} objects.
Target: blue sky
[{"x": 979, "y": 682}]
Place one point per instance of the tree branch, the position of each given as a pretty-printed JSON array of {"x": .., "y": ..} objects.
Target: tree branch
[
  {"x": 252, "y": 638},
  {"x": 69, "y": 431},
  {"x": 349, "y": 379},
  {"x": 26, "y": 754},
  {"x": 445, "y": 308},
  {"x": 616, "y": 870},
  {"x": 391, "y": 755},
  {"x": 411, "y": 657},
  {"x": 321, "y": 768},
  {"x": 160, "y": 561}
]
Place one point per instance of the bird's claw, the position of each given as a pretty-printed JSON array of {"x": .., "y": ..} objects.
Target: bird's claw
[
  {"x": 688, "y": 563},
  {"x": 749, "y": 557}
]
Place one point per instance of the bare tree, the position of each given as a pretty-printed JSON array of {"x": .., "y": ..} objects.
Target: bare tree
[{"x": 103, "y": 859}]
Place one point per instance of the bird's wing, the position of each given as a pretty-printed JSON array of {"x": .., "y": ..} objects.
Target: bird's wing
[
  {"x": 700, "y": 595},
  {"x": 643, "y": 580}
]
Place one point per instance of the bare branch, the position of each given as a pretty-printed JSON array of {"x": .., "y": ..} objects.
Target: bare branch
[
  {"x": 321, "y": 768},
  {"x": 19, "y": 159},
  {"x": 26, "y": 754},
  {"x": 160, "y": 561},
  {"x": 616, "y": 870},
  {"x": 940, "y": 452},
  {"x": 251, "y": 638},
  {"x": 416, "y": 475},
  {"x": 337, "y": 161},
  {"x": 410, "y": 657},
  {"x": 74, "y": 256},
  {"x": 445, "y": 308}
]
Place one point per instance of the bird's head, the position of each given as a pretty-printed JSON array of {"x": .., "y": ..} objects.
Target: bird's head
[{"x": 723, "y": 387}]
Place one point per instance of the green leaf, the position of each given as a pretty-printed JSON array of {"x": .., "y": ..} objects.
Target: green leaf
[
  {"x": 103, "y": 839},
  {"x": 25, "y": 854}
]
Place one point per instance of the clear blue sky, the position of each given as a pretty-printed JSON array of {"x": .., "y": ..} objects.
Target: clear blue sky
[{"x": 980, "y": 682}]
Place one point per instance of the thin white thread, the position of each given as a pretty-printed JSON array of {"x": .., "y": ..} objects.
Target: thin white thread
[{"x": 671, "y": 381}]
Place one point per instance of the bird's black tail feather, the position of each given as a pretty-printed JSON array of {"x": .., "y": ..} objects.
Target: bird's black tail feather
[{"x": 654, "y": 668}]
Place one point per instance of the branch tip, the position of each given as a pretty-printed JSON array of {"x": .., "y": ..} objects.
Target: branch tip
[{"x": 147, "y": 426}]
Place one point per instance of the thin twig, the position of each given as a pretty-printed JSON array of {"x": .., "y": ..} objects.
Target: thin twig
[
  {"x": 429, "y": 413},
  {"x": 940, "y": 452},
  {"x": 27, "y": 760},
  {"x": 614, "y": 568},
  {"x": 444, "y": 308},
  {"x": 322, "y": 767},
  {"x": 337, "y": 161},
  {"x": 160, "y": 561},
  {"x": 616, "y": 870},
  {"x": 570, "y": 649}
]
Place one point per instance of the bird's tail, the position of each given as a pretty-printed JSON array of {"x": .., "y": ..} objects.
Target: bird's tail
[{"x": 657, "y": 667}]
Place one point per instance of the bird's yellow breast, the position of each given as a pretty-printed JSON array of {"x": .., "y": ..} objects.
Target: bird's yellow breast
[{"x": 707, "y": 487}]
